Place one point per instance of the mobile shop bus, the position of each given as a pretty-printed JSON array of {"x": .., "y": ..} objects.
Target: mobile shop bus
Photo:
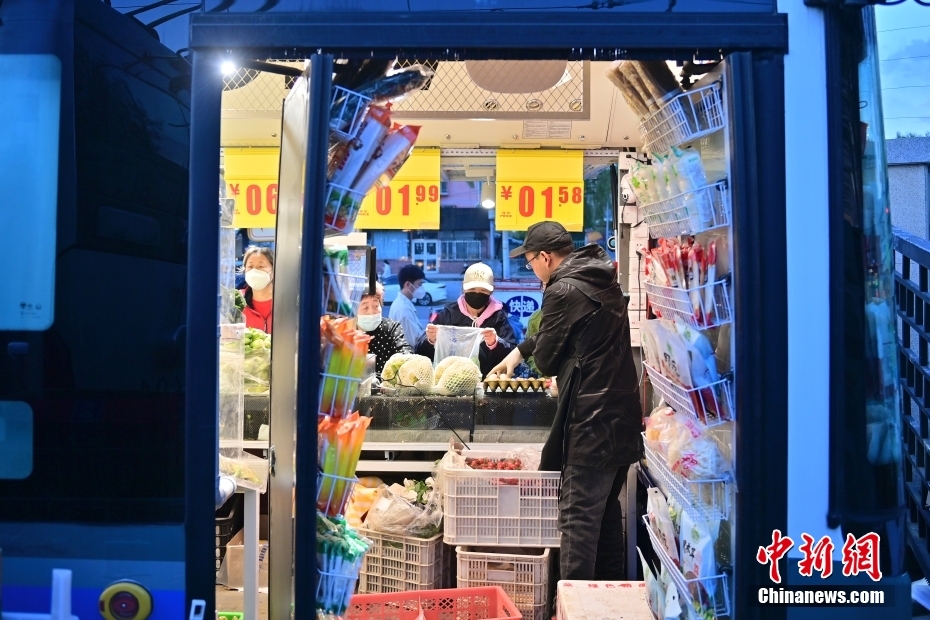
[{"x": 809, "y": 252}]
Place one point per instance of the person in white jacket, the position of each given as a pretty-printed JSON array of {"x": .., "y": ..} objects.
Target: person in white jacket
[{"x": 410, "y": 280}]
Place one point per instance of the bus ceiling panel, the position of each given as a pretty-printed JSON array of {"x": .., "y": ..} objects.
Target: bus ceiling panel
[{"x": 600, "y": 35}]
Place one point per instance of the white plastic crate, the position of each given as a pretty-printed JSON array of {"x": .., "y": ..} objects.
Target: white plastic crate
[
  {"x": 524, "y": 576},
  {"x": 514, "y": 508},
  {"x": 401, "y": 563}
]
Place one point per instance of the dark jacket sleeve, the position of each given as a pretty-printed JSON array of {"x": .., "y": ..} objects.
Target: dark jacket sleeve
[
  {"x": 423, "y": 345},
  {"x": 506, "y": 341},
  {"x": 548, "y": 345}
]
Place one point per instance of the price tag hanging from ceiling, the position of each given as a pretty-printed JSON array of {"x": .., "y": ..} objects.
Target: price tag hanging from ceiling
[
  {"x": 535, "y": 186},
  {"x": 251, "y": 177},
  {"x": 411, "y": 199}
]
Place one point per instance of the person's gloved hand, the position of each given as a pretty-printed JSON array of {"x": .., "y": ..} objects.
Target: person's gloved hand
[{"x": 505, "y": 369}]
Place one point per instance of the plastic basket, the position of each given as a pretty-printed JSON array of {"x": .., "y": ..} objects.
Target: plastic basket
[
  {"x": 689, "y": 213},
  {"x": 685, "y": 118},
  {"x": 524, "y": 577},
  {"x": 347, "y": 110},
  {"x": 400, "y": 563},
  {"x": 229, "y": 520},
  {"x": 701, "y": 307},
  {"x": 513, "y": 508},
  {"x": 341, "y": 209},
  {"x": 490, "y": 603},
  {"x": 691, "y": 590},
  {"x": 710, "y": 405}
]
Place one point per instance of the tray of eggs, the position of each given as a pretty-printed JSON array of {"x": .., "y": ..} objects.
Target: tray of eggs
[{"x": 494, "y": 383}]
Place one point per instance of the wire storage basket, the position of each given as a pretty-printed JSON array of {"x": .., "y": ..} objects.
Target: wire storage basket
[
  {"x": 333, "y": 493},
  {"x": 710, "y": 404},
  {"x": 685, "y": 118},
  {"x": 701, "y": 307},
  {"x": 345, "y": 279},
  {"x": 689, "y": 213},
  {"x": 709, "y": 593},
  {"x": 341, "y": 209},
  {"x": 704, "y": 500},
  {"x": 346, "y": 112}
]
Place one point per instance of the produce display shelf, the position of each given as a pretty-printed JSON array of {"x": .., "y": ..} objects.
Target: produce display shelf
[
  {"x": 490, "y": 507},
  {"x": 524, "y": 577},
  {"x": 711, "y": 592},
  {"x": 710, "y": 405},
  {"x": 684, "y": 119},
  {"x": 701, "y": 307},
  {"x": 703, "y": 500},
  {"x": 689, "y": 213}
]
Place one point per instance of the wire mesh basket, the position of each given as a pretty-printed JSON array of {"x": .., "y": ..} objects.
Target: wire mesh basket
[
  {"x": 705, "y": 593},
  {"x": 701, "y": 307},
  {"x": 333, "y": 493},
  {"x": 341, "y": 209},
  {"x": 345, "y": 279},
  {"x": 689, "y": 213},
  {"x": 710, "y": 404},
  {"x": 704, "y": 500},
  {"x": 685, "y": 118},
  {"x": 346, "y": 112}
]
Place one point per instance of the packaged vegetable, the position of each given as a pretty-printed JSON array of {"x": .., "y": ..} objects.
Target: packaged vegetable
[
  {"x": 661, "y": 522},
  {"x": 661, "y": 180},
  {"x": 632, "y": 98},
  {"x": 697, "y": 559},
  {"x": 412, "y": 509},
  {"x": 396, "y": 84}
]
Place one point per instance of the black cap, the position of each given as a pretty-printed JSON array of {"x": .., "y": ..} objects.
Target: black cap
[{"x": 543, "y": 237}]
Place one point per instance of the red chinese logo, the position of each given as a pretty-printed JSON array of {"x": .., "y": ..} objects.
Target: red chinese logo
[
  {"x": 773, "y": 553},
  {"x": 861, "y": 556},
  {"x": 816, "y": 556}
]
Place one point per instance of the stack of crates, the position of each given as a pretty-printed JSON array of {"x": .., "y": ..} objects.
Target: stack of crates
[
  {"x": 502, "y": 524},
  {"x": 402, "y": 563}
]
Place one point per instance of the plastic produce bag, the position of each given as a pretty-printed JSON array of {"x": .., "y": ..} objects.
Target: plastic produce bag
[
  {"x": 393, "y": 513},
  {"x": 458, "y": 342}
]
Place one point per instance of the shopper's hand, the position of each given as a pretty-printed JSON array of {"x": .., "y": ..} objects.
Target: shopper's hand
[
  {"x": 505, "y": 369},
  {"x": 431, "y": 331},
  {"x": 490, "y": 337}
]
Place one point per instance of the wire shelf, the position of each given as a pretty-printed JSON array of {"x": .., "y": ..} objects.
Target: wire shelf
[
  {"x": 333, "y": 493},
  {"x": 710, "y": 593},
  {"x": 342, "y": 205},
  {"x": 337, "y": 393},
  {"x": 701, "y": 307},
  {"x": 685, "y": 118},
  {"x": 710, "y": 405},
  {"x": 704, "y": 500},
  {"x": 689, "y": 213},
  {"x": 347, "y": 112}
]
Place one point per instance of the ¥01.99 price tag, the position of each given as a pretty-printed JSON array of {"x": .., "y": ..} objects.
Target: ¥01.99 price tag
[{"x": 410, "y": 201}]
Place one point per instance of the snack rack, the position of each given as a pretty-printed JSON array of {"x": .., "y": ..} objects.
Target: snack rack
[
  {"x": 347, "y": 111},
  {"x": 710, "y": 405},
  {"x": 704, "y": 500},
  {"x": 685, "y": 118},
  {"x": 701, "y": 307},
  {"x": 689, "y": 213}
]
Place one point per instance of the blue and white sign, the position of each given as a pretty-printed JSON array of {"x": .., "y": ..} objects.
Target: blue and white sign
[{"x": 520, "y": 304}]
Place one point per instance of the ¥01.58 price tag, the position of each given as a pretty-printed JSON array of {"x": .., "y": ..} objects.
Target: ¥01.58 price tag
[{"x": 535, "y": 186}]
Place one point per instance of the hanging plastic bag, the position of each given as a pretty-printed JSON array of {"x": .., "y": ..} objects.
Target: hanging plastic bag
[{"x": 458, "y": 342}]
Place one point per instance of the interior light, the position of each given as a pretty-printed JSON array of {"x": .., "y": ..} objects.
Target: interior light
[
  {"x": 487, "y": 195},
  {"x": 228, "y": 67}
]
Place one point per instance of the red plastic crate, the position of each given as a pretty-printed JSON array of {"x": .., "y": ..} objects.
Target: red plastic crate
[{"x": 490, "y": 603}]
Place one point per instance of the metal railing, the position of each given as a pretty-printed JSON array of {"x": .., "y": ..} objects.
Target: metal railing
[{"x": 912, "y": 300}]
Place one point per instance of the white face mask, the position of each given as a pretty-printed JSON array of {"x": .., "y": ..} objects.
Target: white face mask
[
  {"x": 257, "y": 279},
  {"x": 419, "y": 293},
  {"x": 369, "y": 322}
]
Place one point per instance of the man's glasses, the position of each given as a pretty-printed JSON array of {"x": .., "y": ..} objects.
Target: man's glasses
[{"x": 529, "y": 264}]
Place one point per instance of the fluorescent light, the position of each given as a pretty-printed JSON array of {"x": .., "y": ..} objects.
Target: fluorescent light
[{"x": 228, "y": 68}]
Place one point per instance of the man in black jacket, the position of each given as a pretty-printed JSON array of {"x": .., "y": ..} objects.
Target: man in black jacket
[{"x": 584, "y": 340}]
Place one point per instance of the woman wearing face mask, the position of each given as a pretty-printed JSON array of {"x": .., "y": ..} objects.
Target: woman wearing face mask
[
  {"x": 258, "y": 264},
  {"x": 475, "y": 308},
  {"x": 387, "y": 334}
]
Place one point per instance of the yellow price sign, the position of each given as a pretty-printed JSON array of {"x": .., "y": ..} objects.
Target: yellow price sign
[
  {"x": 535, "y": 186},
  {"x": 411, "y": 199},
  {"x": 251, "y": 177}
]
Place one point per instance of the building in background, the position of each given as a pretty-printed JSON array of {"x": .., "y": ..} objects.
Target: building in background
[{"x": 909, "y": 184}]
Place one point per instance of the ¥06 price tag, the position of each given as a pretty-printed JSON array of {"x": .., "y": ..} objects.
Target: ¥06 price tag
[
  {"x": 534, "y": 186},
  {"x": 251, "y": 177},
  {"x": 410, "y": 201}
]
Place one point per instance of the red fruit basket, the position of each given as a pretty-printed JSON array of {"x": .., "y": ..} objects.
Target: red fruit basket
[{"x": 489, "y": 603}]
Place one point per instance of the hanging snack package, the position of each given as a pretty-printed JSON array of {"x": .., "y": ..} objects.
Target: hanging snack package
[
  {"x": 661, "y": 181},
  {"x": 661, "y": 522},
  {"x": 654, "y": 594},
  {"x": 659, "y": 79},
  {"x": 632, "y": 76},
  {"x": 396, "y": 84},
  {"x": 632, "y": 98},
  {"x": 675, "y": 511},
  {"x": 370, "y": 135},
  {"x": 397, "y": 143},
  {"x": 650, "y": 345},
  {"x": 672, "y": 604},
  {"x": 698, "y": 560},
  {"x": 673, "y": 354},
  {"x": 697, "y": 458}
]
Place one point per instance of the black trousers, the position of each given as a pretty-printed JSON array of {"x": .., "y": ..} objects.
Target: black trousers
[{"x": 591, "y": 522}]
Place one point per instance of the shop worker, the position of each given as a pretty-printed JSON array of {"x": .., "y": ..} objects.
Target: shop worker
[
  {"x": 258, "y": 265},
  {"x": 387, "y": 335},
  {"x": 410, "y": 280},
  {"x": 475, "y": 308},
  {"x": 584, "y": 339}
]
